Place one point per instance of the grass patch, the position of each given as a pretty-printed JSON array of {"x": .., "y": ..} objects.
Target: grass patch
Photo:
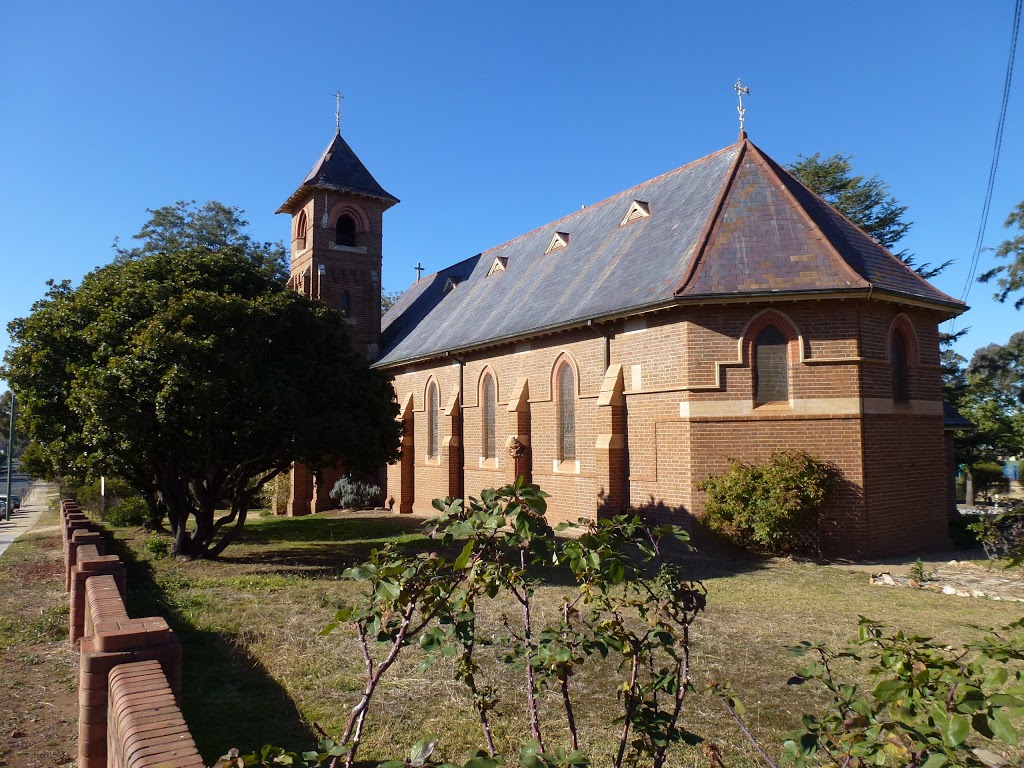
[{"x": 257, "y": 671}]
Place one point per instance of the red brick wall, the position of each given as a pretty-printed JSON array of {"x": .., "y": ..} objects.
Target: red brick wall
[{"x": 688, "y": 393}]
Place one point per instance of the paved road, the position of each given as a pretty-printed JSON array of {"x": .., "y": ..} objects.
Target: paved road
[{"x": 34, "y": 501}]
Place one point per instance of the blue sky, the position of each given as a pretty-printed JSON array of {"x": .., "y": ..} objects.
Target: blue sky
[{"x": 486, "y": 119}]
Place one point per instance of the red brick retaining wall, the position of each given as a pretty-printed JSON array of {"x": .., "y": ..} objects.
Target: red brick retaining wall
[{"x": 130, "y": 669}]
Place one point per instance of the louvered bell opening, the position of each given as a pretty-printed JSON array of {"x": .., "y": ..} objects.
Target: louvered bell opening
[
  {"x": 771, "y": 367},
  {"x": 567, "y": 413},
  {"x": 432, "y": 408},
  {"x": 490, "y": 448}
]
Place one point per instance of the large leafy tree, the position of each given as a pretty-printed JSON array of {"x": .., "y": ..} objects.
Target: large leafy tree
[
  {"x": 1010, "y": 276},
  {"x": 864, "y": 201},
  {"x": 989, "y": 390},
  {"x": 212, "y": 226},
  {"x": 197, "y": 376}
]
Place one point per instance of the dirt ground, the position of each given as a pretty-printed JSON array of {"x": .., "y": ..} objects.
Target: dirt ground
[{"x": 38, "y": 669}]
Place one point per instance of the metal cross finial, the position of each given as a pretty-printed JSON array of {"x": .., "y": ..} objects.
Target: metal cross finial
[
  {"x": 740, "y": 90},
  {"x": 337, "y": 110},
  {"x": 419, "y": 271}
]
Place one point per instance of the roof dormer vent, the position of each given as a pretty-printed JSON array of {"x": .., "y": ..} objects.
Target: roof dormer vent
[
  {"x": 450, "y": 284},
  {"x": 558, "y": 240},
  {"x": 498, "y": 265},
  {"x": 637, "y": 210}
]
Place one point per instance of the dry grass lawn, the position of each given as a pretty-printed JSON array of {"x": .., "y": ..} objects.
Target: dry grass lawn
[{"x": 256, "y": 670}]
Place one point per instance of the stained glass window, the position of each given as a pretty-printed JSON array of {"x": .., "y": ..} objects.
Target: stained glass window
[
  {"x": 432, "y": 409},
  {"x": 346, "y": 231},
  {"x": 567, "y": 412},
  {"x": 771, "y": 366},
  {"x": 898, "y": 359},
  {"x": 489, "y": 403}
]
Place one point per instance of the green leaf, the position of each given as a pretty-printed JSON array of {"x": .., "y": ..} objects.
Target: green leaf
[
  {"x": 935, "y": 760},
  {"x": 463, "y": 559},
  {"x": 483, "y": 762},
  {"x": 1003, "y": 728},
  {"x": 957, "y": 730},
  {"x": 422, "y": 750},
  {"x": 996, "y": 678}
]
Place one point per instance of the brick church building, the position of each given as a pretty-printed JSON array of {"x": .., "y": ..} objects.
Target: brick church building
[{"x": 619, "y": 355}]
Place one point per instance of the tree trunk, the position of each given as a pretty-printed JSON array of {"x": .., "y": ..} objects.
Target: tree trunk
[{"x": 968, "y": 487}]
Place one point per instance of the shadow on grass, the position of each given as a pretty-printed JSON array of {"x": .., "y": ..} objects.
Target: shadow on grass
[
  {"x": 366, "y": 527},
  {"x": 228, "y": 699},
  {"x": 325, "y": 545}
]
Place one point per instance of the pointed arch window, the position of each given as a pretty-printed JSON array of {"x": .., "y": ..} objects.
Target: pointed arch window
[
  {"x": 300, "y": 230},
  {"x": 771, "y": 366},
  {"x": 898, "y": 360},
  {"x": 433, "y": 400},
  {"x": 566, "y": 413},
  {"x": 345, "y": 232},
  {"x": 489, "y": 407}
]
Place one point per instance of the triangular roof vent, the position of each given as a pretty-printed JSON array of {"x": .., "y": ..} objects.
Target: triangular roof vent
[
  {"x": 558, "y": 240},
  {"x": 498, "y": 265},
  {"x": 638, "y": 210},
  {"x": 450, "y": 284}
]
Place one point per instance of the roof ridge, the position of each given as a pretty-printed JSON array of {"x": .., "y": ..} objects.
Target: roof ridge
[
  {"x": 697, "y": 261},
  {"x": 610, "y": 198}
]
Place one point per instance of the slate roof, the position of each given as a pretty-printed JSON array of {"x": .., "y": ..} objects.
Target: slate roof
[
  {"x": 340, "y": 169},
  {"x": 731, "y": 224}
]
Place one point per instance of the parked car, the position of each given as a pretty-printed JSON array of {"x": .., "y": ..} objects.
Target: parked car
[{"x": 15, "y": 501}]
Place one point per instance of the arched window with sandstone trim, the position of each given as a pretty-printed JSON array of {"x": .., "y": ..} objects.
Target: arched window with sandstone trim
[
  {"x": 432, "y": 417},
  {"x": 489, "y": 404},
  {"x": 566, "y": 413},
  {"x": 898, "y": 362},
  {"x": 771, "y": 366},
  {"x": 300, "y": 229},
  {"x": 345, "y": 232}
]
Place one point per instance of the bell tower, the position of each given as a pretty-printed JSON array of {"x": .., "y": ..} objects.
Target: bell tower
[
  {"x": 337, "y": 216},
  {"x": 337, "y": 222}
]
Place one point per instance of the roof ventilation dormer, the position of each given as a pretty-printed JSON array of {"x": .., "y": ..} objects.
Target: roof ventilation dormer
[
  {"x": 638, "y": 210},
  {"x": 450, "y": 284},
  {"x": 558, "y": 240},
  {"x": 498, "y": 265}
]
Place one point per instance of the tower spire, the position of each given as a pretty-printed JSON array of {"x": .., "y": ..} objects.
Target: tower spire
[
  {"x": 740, "y": 90},
  {"x": 337, "y": 112}
]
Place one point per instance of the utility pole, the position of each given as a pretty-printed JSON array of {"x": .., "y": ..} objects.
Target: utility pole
[{"x": 10, "y": 456}]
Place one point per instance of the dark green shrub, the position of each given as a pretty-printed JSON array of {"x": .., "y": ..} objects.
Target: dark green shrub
[
  {"x": 353, "y": 494},
  {"x": 1001, "y": 535},
  {"x": 989, "y": 479},
  {"x": 132, "y": 511},
  {"x": 772, "y": 506},
  {"x": 158, "y": 546},
  {"x": 961, "y": 531},
  {"x": 88, "y": 495}
]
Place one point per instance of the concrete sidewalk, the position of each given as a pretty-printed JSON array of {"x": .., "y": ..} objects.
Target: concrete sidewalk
[{"x": 24, "y": 519}]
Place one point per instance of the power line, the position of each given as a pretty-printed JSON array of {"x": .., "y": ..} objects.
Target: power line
[{"x": 995, "y": 155}]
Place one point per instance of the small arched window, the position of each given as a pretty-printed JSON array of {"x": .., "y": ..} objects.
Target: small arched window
[
  {"x": 489, "y": 407},
  {"x": 898, "y": 360},
  {"x": 300, "y": 229},
  {"x": 345, "y": 305},
  {"x": 345, "y": 234},
  {"x": 566, "y": 413},
  {"x": 771, "y": 366},
  {"x": 432, "y": 413}
]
